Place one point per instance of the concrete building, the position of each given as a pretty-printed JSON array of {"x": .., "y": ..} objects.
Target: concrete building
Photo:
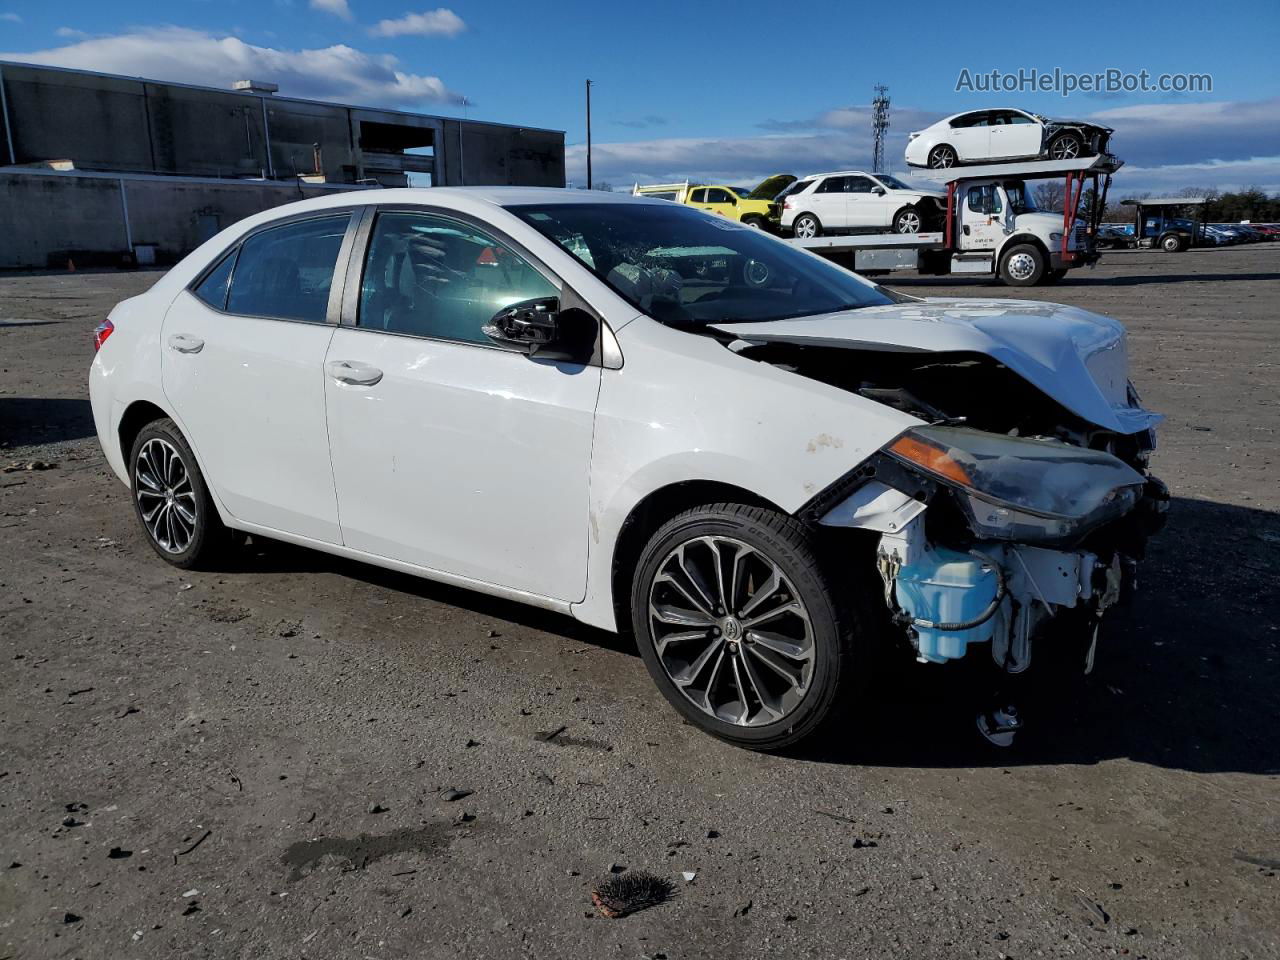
[{"x": 107, "y": 169}]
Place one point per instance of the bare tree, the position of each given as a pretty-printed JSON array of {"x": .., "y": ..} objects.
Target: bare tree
[{"x": 1050, "y": 195}]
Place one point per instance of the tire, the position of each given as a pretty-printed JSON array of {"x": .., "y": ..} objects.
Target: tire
[
  {"x": 908, "y": 220},
  {"x": 1022, "y": 265},
  {"x": 1053, "y": 276},
  {"x": 1066, "y": 146},
  {"x": 941, "y": 157},
  {"x": 760, "y": 707},
  {"x": 806, "y": 226},
  {"x": 1173, "y": 244},
  {"x": 756, "y": 223},
  {"x": 164, "y": 479}
]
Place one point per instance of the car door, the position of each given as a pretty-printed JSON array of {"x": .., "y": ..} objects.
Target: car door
[
  {"x": 865, "y": 207},
  {"x": 450, "y": 452},
  {"x": 971, "y": 136},
  {"x": 242, "y": 367},
  {"x": 829, "y": 203},
  {"x": 1013, "y": 134},
  {"x": 722, "y": 202}
]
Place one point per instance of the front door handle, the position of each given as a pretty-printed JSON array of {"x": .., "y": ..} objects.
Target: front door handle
[
  {"x": 185, "y": 343},
  {"x": 353, "y": 372}
]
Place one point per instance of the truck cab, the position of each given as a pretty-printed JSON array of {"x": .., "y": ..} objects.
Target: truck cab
[{"x": 998, "y": 229}]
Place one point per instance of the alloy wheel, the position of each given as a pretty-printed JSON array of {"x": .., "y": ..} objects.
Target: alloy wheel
[
  {"x": 166, "y": 498},
  {"x": 730, "y": 631},
  {"x": 942, "y": 157},
  {"x": 805, "y": 228},
  {"x": 909, "y": 222},
  {"x": 1066, "y": 148}
]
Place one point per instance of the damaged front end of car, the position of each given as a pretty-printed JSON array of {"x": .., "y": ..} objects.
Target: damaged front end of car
[{"x": 988, "y": 540}]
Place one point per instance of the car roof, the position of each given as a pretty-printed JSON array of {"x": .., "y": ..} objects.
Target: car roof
[{"x": 965, "y": 113}]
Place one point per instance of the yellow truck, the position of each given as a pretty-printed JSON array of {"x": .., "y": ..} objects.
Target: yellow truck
[{"x": 754, "y": 208}]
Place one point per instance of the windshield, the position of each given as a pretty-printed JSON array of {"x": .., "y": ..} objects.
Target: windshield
[
  {"x": 1019, "y": 198},
  {"x": 741, "y": 191},
  {"x": 687, "y": 269},
  {"x": 893, "y": 183},
  {"x": 796, "y": 187}
]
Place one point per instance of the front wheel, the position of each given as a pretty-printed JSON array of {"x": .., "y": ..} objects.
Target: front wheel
[
  {"x": 1066, "y": 146},
  {"x": 171, "y": 499},
  {"x": 740, "y": 629},
  {"x": 907, "y": 221},
  {"x": 1172, "y": 244},
  {"x": 806, "y": 227},
  {"x": 1022, "y": 265}
]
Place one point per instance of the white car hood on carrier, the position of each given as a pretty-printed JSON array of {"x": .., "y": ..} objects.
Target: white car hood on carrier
[{"x": 1077, "y": 358}]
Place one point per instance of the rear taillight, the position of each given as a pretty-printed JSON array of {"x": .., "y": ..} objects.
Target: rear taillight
[
  {"x": 100, "y": 334},
  {"x": 786, "y": 204}
]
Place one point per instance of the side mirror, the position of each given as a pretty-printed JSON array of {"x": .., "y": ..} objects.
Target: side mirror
[
  {"x": 541, "y": 328},
  {"x": 878, "y": 191},
  {"x": 528, "y": 325}
]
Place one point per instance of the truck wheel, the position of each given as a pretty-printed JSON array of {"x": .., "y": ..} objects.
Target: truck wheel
[
  {"x": 907, "y": 221},
  {"x": 1172, "y": 244},
  {"x": 740, "y": 628},
  {"x": 1065, "y": 146},
  {"x": 1022, "y": 265},
  {"x": 941, "y": 156},
  {"x": 806, "y": 226}
]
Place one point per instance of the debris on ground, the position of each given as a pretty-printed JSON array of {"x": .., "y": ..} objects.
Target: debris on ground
[
  {"x": 118, "y": 853},
  {"x": 377, "y": 808},
  {"x": 454, "y": 793},
  {"x": 622, "y": 894}
]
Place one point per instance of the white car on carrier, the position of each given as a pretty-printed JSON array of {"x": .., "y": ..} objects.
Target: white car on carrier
[
  {"x": 981, "y": 136},
  {"x": 645, "y": 417},
  {"x": 850, "y": 200}
]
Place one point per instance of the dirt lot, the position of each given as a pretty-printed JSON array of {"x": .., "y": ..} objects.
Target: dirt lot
[{"x": 253, "y": 762}]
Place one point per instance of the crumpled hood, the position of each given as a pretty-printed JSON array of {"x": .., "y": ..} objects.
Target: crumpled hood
[{"x": 1078, "y": 358}]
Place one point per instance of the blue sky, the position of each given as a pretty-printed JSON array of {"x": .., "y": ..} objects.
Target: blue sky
[{"x": 726, "y": 90}]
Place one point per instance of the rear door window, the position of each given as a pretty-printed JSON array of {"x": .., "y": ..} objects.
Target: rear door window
[{"x": 285, "y": 272}]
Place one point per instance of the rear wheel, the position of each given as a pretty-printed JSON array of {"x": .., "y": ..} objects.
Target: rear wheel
[
  {"x": 171, "y": 499},
  {"x": 942, "y": 156},
  {"x": 755, "y": 222},
  {"x": 739, "y": 627},
  {"x": 1022, "y": 265},
  {"x": 806, "y": 227}
]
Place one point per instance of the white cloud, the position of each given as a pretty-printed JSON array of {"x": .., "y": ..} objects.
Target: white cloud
[
  {"x": 71, "y": 33},
  {"x": 192, "y": 56},
  {"x": 11, "y": 17},
  {"x": 441, "y": 22},
  {"x": 338, "y": 8}
]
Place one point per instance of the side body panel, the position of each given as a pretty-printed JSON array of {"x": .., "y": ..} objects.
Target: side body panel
[{"x": 683, "y": 408}]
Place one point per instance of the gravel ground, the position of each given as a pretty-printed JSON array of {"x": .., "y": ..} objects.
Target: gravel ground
[{"x": 256, "y": 762}]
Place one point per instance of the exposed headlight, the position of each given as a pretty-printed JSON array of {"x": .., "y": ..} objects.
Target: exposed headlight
[
  {"x": 1056, "y": 237},
  {"x": 1014, "y": 488}
]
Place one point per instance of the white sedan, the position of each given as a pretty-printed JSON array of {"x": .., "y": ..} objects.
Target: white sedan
[
  {"x": 644, "y": 417},
  {"x": 982, "y": 136}
]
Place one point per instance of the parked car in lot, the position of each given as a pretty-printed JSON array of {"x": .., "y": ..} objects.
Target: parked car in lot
[
  {"x": 1111, "y": 237},
  {"x": 755, "y": 207},
  {"x": 647, "y": 417},
  {"x": 849, "y": 200},
  {"x": 981, "y": 136}
]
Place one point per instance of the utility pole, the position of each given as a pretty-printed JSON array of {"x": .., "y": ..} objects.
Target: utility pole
[
  {"x": 879, "y": 126},
  {"x": 588, "y": 134}
]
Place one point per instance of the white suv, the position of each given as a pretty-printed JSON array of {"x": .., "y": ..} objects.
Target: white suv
[{"x": 850, "y": 200}]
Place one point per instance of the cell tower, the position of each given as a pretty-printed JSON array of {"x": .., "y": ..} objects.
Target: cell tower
[{"x": 879, "y": 126}]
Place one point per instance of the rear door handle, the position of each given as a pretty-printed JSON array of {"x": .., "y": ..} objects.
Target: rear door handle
[
  {"x": 353, "y": 372},
  {"x": 185, "y": 343}
]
